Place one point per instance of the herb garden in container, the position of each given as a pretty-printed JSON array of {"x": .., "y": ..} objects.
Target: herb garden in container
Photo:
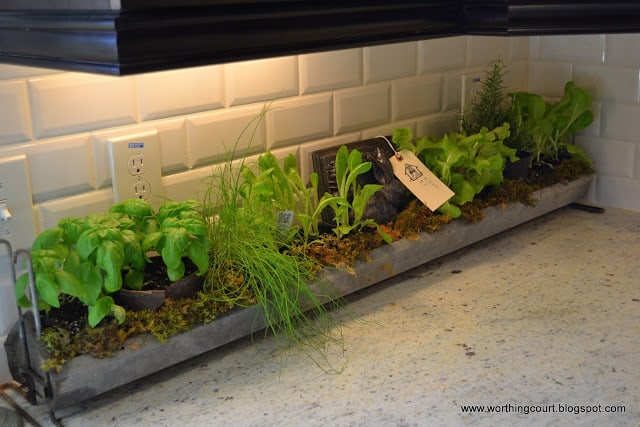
[{"x": 266, "y": 250}]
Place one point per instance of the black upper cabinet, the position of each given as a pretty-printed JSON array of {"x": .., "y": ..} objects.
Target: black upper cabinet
[
  {"x": 125, "y": 37},
  {"x": 133, "y": 36},
  {"x": 531, "y": 17}
]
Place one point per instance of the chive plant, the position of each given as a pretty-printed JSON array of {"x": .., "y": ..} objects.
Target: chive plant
[{"x": 248, "y": 254}]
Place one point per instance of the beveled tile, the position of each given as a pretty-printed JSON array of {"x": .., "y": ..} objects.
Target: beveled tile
[
  {"x": 482, "y": 50},
  {"x": 548, "y": 78},
  {"x": 61, "y": 167},
  {"x": 15, "y": 120},
  {"x": 330, "y": 70},
  {"x": 622, "y": 49},
  {"x": 614, "y": 158},
  {"x": 212, "y": 135},
  {"x": 604, "y": 83},
  {"x": 391, "y": 61},
  {"x": 416, "y": 96},
  {"x": 177, "y": 92},
  {"x": 363, "y": 107},
  {"x": 447, "y": 53},
  {"x": 573, "y": 48},
  {"x": 261, "y": 80},
  {"x": 73, "y": 102},
  {"x": 81, "y": 205},
  {"x": 299, "y": 119}
]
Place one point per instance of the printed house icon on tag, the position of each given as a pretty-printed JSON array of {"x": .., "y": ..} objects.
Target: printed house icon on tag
[{"x": 413, "y": 172}]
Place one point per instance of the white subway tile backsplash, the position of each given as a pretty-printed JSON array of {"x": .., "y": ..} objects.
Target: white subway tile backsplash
[
  {"x": 438, "y": 125},
  {"x": 620, "y": 122},
  {"x": 177, "y": 92},
  {"x": 212, "y": 135},
  {"x": 442, "y": 54},
  {"x": 613, "y": 158},
  {"x": 618, "y": 192},
  {"x": 330, "y": 70},
  {"x": 482, "y": 50},
  {"x": 61, "y": 167},
  {"x": 452, "y": 91},
  {"x": 362, "y": 107},
  {"x": 572, "y": 48},
  {"x": 548, "y": 78},
  {"x": 388, "y": 62},
  {"x": 299, "y": 119},
  {"x": 15, "y": 123},
  {"x": 416, "y": 96},
  {"x": 71, "y": 103},
  {"x": 608, "y": 83},
  {"x": 516, "y": 77},
  {"x": 622, "y": 50},
  {"x": 519, "y": 49},
  {"x": 50, "y": 212},
  {"x": 192, "y": 184},
  {"x": 261, "y": 80}
]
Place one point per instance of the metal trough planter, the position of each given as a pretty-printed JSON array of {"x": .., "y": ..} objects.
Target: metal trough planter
[{"x": 85, "y": 377}]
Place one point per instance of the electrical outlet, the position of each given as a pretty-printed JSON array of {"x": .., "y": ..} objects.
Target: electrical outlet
[
  {"x": 471, "y": 83},
  {"x": 136, "y": 164},
  {"x": 141, "y": 190},
  {"x": 16, "y": 206},
  {"x": 136, "y": 167}
]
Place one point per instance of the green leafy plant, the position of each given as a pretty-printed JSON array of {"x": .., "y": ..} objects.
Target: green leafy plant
[
  {"x": 352, "y": 198},
  {"x": 466, "y": 164},
  {"x": 489, "y": 106},
  {"x": 87, "y": 258},
  {"x": 281, "y": 188},
  {"x": 183, "y": 233},
  {"x": 545, "y": 128},
  {"x": 80, "y": 259},
  {"x": 248, "y": 255}
]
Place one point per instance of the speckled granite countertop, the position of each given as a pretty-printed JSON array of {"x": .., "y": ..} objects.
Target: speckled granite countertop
[{"x": 544, "y": 315}]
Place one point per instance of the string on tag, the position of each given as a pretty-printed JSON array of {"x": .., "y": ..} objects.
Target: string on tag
[{"x": 395, "y": 153}]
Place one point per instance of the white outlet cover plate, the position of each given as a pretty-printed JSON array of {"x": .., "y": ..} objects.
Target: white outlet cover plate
[
  {"x": 141, "y": 145},
  {"x": 15, "y": 189}
]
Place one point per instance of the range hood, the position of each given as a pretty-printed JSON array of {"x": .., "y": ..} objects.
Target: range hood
[{"x": 132, "y": 36}]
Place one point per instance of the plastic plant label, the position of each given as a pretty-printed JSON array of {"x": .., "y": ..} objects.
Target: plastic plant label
[
  {"x": 285, "y": 219},
  {"x": 420, "y": 180}
]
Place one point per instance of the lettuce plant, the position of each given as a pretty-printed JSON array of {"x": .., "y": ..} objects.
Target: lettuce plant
[
  {"x": 281, "y": 188},
  {"x": 466, "y": 164},
  {"x": 544, "y": 128}
]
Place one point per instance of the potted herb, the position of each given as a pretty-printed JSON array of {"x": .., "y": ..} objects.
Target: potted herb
[
  {"x": 89, "y": 260},
  {"x": 545, "y": 128},
  {"x": 466, "y": 164}
]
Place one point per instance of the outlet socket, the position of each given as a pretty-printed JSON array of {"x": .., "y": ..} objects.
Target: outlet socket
[
  {"x": 16, "y": 206},
  {"x": 141, "y": 190},
  {"x": 136, "y": 167}
]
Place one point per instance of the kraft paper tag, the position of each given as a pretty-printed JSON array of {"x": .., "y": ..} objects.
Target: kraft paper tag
[{"x": 420, "y": 180}]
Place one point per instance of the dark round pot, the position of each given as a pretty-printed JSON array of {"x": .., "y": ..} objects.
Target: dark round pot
[
  {"x": 152, "y": 298},
  {"x": 519, "y": 168}
]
